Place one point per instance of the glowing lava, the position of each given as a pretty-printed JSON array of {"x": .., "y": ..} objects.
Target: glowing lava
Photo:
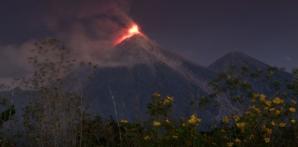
[{"x": 131, "y": 31}]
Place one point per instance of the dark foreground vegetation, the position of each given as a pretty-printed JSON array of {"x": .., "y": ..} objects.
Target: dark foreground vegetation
[{"x": 57, "y": 117}]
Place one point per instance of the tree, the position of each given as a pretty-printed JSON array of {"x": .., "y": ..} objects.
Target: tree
[{"x": 54, "y": 114}]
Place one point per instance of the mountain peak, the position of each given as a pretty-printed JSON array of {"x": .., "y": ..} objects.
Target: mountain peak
[
  {"x": 137, "y": 49},
  {"x": 139, "y": 41},
  {"x": 236, "y": 59},
  {"x": 236, "y": 54}
]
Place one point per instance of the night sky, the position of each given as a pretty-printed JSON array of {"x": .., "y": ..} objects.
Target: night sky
[{"x": 202, "y": 31}]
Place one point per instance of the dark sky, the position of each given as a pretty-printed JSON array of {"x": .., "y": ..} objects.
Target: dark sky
[{"x": 199, "y": 30}]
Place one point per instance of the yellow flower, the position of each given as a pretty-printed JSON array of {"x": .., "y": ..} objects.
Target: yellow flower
[
  {"x": 124, "y": 121},
  {"x": 194, "y": 120},
  {"x": 156, "y": 94},
  {"x": 236, "y": 118},
  {"x": 257, "y": 110},
  {"x": 292, "y": 109},
  {"x": 168, "y": 100},
  {"x": 273, "y": 123},
  {"x": 240, "y": 125},
  {"x": 277, "y": 112},
  {"x": 293, "y": 121},
  {"x": 267, "y": 139},
  {"x": 230, "y": 144},
  {"x": 237, "y": 140},
  {"x": 268, "y": 103},
  {"x": 262, "y": 98},
  {"x": 147, "y": 137},
  {"x": 282, "y": 124},
  {"x": 225, "y": 119},
  {"x": 156, "y": 123},
  {"x": 268, "y": 131},
  {"x": 278, "y": 101},
  {"x": 272, "y": 109},
  {"x": 254, "y": 108}
]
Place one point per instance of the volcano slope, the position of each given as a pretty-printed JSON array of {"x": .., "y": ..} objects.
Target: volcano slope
[{"x": 132, "y": 71}]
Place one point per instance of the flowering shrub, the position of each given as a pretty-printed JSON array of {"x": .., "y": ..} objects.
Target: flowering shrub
[{"x": 267, "y": 122}]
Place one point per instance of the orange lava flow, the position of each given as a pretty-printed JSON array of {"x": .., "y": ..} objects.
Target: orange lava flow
[{"x": 132, "y": 30}]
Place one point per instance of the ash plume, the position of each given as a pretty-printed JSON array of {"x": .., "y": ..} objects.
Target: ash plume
[{"x": 87, "y": 27}]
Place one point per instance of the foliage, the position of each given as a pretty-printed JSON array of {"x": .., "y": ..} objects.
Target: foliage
[
  {"x": 158, "y": 131},
  {"x": 267, "y": 122},
  {"x": 54, "y": 114},
  {"x": 5, "y": 116},
  {"x": 294, "y": 85}
]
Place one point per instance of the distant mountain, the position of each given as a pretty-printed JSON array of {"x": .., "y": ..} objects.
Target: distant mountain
[
  {"x": 237, "y": 60},
  {"x": 263, "y": 77}
]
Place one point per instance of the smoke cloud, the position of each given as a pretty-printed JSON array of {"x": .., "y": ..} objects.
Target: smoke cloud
[{"x": 87, "y": 27}]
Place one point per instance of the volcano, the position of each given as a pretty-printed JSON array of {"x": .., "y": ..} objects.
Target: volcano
[{"x": 133, "y": 70}]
